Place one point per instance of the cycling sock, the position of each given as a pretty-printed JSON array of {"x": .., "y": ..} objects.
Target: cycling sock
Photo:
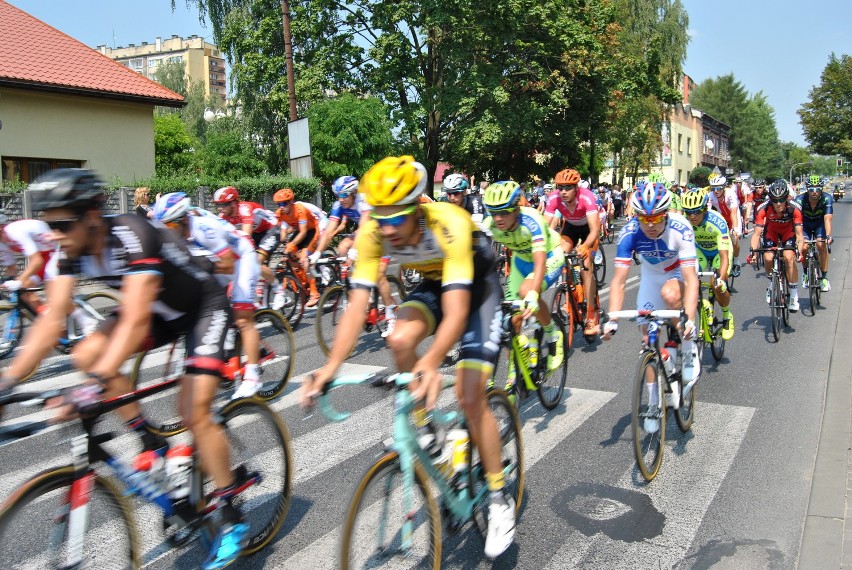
[
  {"x": 825, "y": 274},
  {"x": 229, "y": 512},
  {"x": 252, "y": 372},
  {"x": 794, "y": 292},
  {"x": 726, "y": 310},
  {"x": 496, "y": 482},
  {"x": 550, "y": 329},
  {"x": 389, "y": 312}
]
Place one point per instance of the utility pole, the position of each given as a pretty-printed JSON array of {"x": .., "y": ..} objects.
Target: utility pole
[{"x": 288, "y": 55}]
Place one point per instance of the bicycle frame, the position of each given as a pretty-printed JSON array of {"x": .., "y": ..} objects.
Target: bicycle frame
[
  {"x": 707, "y": 331},
  {"x": 515, "y": 352}
]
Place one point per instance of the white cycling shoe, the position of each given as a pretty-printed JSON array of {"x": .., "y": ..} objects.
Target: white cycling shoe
[
  {"x": 247, "y": 389},
  {"x": 501, "y": 526},
  {"x": 793, "y": 305}
]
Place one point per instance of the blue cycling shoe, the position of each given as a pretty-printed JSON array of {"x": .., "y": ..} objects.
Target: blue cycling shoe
[{"x": 227, "y": 546}]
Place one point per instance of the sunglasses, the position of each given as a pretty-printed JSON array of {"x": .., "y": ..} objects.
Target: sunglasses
[
  {"x": 283, "y": 204},
  {"x": 566, "y": 187},
  {"x": 694, "y": 212},
  {"x": 814, "y": 189},
  {"x": 504, "y": 212},
  {"x": 62, "y": 226},
  {"x": 394, "y": 220},
  {"x": 652, "y": 220},
  {"x": 778, "y": 200}
]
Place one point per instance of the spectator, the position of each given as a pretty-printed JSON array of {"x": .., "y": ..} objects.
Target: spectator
[
  {"x": 141, "y": 199},
  {"x": 617, "y": 200}
]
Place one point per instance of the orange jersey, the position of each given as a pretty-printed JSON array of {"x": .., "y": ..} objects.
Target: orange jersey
[{"x": 299, "y": 216}]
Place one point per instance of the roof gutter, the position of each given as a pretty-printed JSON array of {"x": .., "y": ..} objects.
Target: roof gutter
[{"x": 66, "y": 90}]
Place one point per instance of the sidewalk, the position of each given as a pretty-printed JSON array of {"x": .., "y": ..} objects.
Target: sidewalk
[{"x": 827, "y": 536}]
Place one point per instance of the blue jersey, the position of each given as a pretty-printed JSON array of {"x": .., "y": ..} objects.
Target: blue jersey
[
  {"x": 823, "y": 207},
  {"x": 353, "y": 214},
  {"x": 675, "y": 248}
]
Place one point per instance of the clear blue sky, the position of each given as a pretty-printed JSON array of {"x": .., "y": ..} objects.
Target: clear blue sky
[{"x": 779, "y": 47}]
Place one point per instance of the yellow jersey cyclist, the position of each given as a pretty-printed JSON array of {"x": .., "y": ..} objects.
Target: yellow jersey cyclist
[
  {"x": 458, "y": 299},
  {"x": 713, "y": 250},
  {"x": 537, "y": 259}
]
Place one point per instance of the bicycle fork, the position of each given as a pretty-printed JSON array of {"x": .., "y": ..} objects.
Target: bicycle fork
[{"x": 75, "y": 513}]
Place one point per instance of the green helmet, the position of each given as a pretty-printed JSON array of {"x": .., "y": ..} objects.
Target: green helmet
[
  {"x": 502, "y": 195},
  {"x": 814, "y": 180}
]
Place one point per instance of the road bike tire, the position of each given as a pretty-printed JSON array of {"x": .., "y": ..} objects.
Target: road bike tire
[
  {"x": 104, "y": 302},
  {"x": 648, "y": 446},
  {"x": 550, "y": 384},
  {"x": 377, "y": 504},
  {"x": 330, "y": 311},
  {"x": 566, "y": 314},
  {"x": 295, "y": 298},
  {"x": 512, "y": 454},
  {"x": 685, "y": 414},
  {"x": 814, "y": 283},
  {"x": 717, "y": 343},
  {"x": 785, "y": 293},
  {"x": 610, "y": 234},
  {"x": 11, "y": 329},
  {"x": 600, "y": 269},
  {"x": 161, "y": 411},
  {"x": 775, "y": 308},
  {"x": 37, "y": 515},
  {"x": 259, "y": 443},
  {"x": 703, "y": 325},
  {"x": 276, "y": 338}
]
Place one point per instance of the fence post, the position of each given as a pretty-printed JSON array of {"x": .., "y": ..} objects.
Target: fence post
[
  {"x": 26, "y": 205},
  {"x": 124, "y": 200},
  {"x": 201, "y": 198}
]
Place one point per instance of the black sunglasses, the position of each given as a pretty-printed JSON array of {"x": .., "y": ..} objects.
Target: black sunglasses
[
  {"x": 62, "y": 226},
  {"x": 778, "y": 200}
]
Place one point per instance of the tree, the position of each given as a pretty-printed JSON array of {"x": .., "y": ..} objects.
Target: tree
[
  {"x": 172, "y": 144},
  {"x": 700, "y": 175},
  {"x": 228, "y": 152},
  {"x": 826, "y": 117},
  {"x": 348, "y": 135},
  {"x": 172, "y": 75}
]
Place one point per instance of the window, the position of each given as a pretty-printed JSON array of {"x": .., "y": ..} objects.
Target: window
[
  {"x": 176, "y": 58},
  {"x": 679, "y": 142},
  {"x": 136, "y": 64},
  {"x": 29, "y": 169},
  {"x": 679, "y": 173},
  {"x": 153, "y": 62},
  {"x": 689, "y": 146}
]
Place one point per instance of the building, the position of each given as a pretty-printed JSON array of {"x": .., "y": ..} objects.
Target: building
[
  {"x": 203, "y": 61},
  {"x": 63, "y": 104}
]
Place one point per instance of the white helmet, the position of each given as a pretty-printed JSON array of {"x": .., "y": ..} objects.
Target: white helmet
[
  {"x": 171, "y": 207},
  {"x": 584, "y": 184}
]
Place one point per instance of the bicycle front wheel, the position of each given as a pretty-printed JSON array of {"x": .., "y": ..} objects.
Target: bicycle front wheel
[
  {"x": 685, "y": 414},
  {"x": 717, "y": 343},
  {"x": 775, "y": 307},
  {"x": 11, "y": 329},
  {"x": 104, "y": 303},
  {"x": 260, "y": 452},
  {"x": 600, "y": 268},
  {"x": 294, "y": 298},
  {"x": 161, "y": 411},
  {"x": 36, "y": 526},
  {"x": 813, "y": 286},
  {"x": 551, "y": 383},
  {"x": 648, "y": 422},
  {"x": 330, "y": 311},
  {"x": 277, "y": 349},
  {"x": 373, "y": 532}
]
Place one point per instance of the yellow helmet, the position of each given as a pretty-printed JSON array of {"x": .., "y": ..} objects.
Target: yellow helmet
[{"x": 395, "y": 180}]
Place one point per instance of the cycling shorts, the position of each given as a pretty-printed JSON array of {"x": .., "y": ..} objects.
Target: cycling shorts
[
  {"x": 266, "y": 241},
  {"x": 204, "y": 331},
  {"x": 651, "y": 284},
  {"x": 480, "y": 341},
  {"x": 787, "y": 234},
  {"x": 309, "y": 242},
  {"x": 575, "y": 234},
  {"x": 244, "y": 284},
  {"x": 788, "y": 242},
  {"x": 522, "y": 270},
  {"x": 707, "y": 263},
  {"x": 814, "y": 230}
]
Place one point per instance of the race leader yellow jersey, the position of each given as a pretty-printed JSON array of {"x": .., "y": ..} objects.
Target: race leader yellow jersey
[{"x": 447, "y": 250}]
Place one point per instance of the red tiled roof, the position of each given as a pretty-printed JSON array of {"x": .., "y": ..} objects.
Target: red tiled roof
[
  {"x": 440, "y": 170},
  {"x": 36, "y": 55}
]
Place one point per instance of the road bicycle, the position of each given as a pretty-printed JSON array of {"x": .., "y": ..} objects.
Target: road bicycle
[
  {"x": 15, "y": 312},
  {"x": 502, "y": 262},
  {"x": 277, "y": 351},
  {"x": 607, "y": 231},
  {"x": 78, "y": 515},
  {"x": 648, "y": 418},
  {"x": 393, "y": 519},
  {"x": 569, "y": 302},
  {"x": 779, "y": 289},
  {"x": 813, "y": 274},
  {"x": 710, "y": 317},
  {"x": 335, "y": 299},
  {"x": 531, "y": 376},
  {"x": 599, "y": 265}
]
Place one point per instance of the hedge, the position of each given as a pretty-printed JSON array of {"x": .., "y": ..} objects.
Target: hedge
[{"x": 252, "y": 188}]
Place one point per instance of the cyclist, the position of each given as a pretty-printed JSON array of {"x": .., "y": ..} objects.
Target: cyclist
[
  {"x": 537, "y": 259},
  {"x": 724, "y": 200},
  {"x": 668, "y": 280},
  {"x": 236, "y": 264},
  {"x": 260, "y": 224},
  {"x": 303, "y": 229},
  {"x": 458, "y": 299},
  {"x": 580, "y": 229},
  {"x": 758, "y": 196},
  {"x": 155, "y": 271},
  {"x": 713, "y": 250},
  {"x": 817, "y": 212},
  {"x": 745, "y": 196},
  {"x": 455, "y": 186},
  {"x": 779, "y": 223},
  {"x": 31, "y": 239}
]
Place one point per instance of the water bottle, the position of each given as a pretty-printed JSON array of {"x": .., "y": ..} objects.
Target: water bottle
[
  {"x": 669, "y": 354},
  {"x": 178, "y": 470},
  {"x": 458, "y": 441},
  {"x": 533, "y": 344},
  {"x": 150, "y": 469},
  {"x": 598, "y": 257},
  {"x": 524, "y": 346}
]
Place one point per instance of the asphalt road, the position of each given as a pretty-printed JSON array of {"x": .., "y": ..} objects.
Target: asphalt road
[{"x": 732, "y": 493}]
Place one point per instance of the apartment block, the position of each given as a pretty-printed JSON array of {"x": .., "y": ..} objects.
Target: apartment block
[{"x": 202, "y": 60}]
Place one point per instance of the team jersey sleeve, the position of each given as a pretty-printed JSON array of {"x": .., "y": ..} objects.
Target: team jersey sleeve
[
  {"x": 537, "y": 237},
  {"x": 368, "y": 245},
  {"x": 626, "y": 240},
  {"x": 797, "y": 216},
  {"x": 686, "y": 255},
  {"x": 302, "y": 214},
  {"x": 829, "y": 203},
  {"x": 550, "y": 205},
  {"x": 22, "y": 237},
  {"x": 455, "y": 237},
  {"x": 209, "y": 236},
  {"x": 141, "y": 242},
  {"x": 760, "y": 217},
  {"x": 246, "y": 213},
  {"x": 336, "y": 212}
]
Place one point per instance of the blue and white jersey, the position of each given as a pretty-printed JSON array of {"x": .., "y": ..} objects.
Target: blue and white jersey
[
  {"x": 359, "y": 208},
  {"x": 675, "y": 248},
  {"x": 215, "y": 234}
]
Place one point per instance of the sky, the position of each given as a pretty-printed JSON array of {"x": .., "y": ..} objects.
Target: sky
[{"x": 779, "y": 47}]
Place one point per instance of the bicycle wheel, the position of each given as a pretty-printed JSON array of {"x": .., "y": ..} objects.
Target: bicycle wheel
[
  {"x": 685, "y": 414},
  {"x": 551, "y": 383},
  {"x": 785, "y": 296},
  {"x": 11, "y": 329},
  {"x": 703, "y": 324},
  {"x": 398, "y": 294},
  {"x": 161, "y": 411},
  {"x": 509, "y": 429},
  {"x": 277, "y": 350},
  {"x": 260, "y": 448},
  {"x": 813, "y": 286},
  {"x": 34, "y": 525},
  {"x": 104, "y": 302},
  {"x": 775, "y": 307},
  {"x": 330, "y": 311},
  {"x": 648, "y": 442},
  {"x": 591, "y": 338},
  {"x": 294, "y": 298},
  {"x": 373, "y": 528},
  {"x": 600, "y": 268},
  {"x": 717, "y": 343},
  {"x": 610, "y": 234}
]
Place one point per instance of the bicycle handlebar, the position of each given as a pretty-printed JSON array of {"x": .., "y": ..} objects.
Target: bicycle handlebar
[{"x": 663, "y": 314}]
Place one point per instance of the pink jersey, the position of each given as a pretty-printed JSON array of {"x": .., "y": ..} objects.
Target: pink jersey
[{"x": 586, "y": 204}]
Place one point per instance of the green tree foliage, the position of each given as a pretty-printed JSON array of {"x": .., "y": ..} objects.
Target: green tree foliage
[
  {"x": 172, "y": 74},
  {"x": 348, "y": 135},
  {"x": 227, "y": 151},
  {"x": 173, "y": 144},
  {"x": 827, "y": 115},
  {"x": 700, "y": 176}
]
